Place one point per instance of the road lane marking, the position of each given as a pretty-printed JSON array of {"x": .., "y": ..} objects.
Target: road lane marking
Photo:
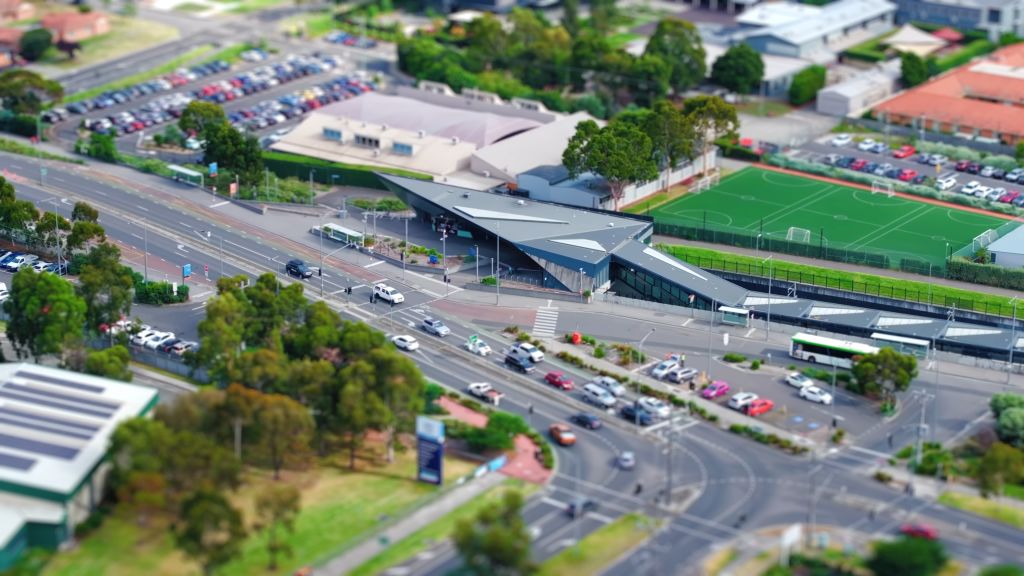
[
  {"x": 372, "y": 264},
  {"x": 185, "y": 225},
  {"x": 687, "y": 323},
  {"x": 219, "y": 204},
  {"x": 749, "y": 332},
  {"x": 141, "y": 207}
]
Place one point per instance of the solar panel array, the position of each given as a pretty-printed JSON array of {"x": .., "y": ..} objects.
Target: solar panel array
[{"x": 46, "y": 416}]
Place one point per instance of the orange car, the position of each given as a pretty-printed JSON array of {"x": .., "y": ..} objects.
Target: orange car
[
  {"x": 759, "y": 406},
  {"x": 562, "y": 434}
]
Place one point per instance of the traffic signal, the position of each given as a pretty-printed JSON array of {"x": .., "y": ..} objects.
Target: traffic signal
[
  {"x": 319, "y": 271},
  {"x": 348, "y": 290}
]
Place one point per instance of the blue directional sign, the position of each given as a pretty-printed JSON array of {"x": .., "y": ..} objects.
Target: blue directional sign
[
  {"x": 186, "y": 271},
  {"x": 213, "y": 168}
]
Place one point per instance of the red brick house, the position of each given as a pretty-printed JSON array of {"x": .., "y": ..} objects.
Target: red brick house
[
  {"x": 10, "y": 42},
  {"x": 11, "y": 10},
  {"x": 76, "y": 26}
]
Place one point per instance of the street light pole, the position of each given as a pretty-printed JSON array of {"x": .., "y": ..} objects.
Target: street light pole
[
  {"x": 771, "y": 269},
  {"x": 497, "y": 276},
  {"x": 311, "y": 192},
  {"x": 832, "y": 405},
  {"x": 476, "y": 257},
  {"x": 405, "y": 248},
  {"x": 711, "y": 326},
  {"x": 1013, "y": 339},
  {"x": 321, "y": 260},
  {"x": 581, "y": 284},
  {"x": 444, "y": 258},
  {"x": 145, "y": 252},
  {"x": 636, "y": 407}
]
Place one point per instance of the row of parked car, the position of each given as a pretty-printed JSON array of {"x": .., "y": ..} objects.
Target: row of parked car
[
  {"x": 265, "y": 77},
  {"x": 271, "y": 112},
  {"x": 145, "y": 336},
  {"x": 12, "y": 261},
  {"x": 882, "y": 169},
  {"x": 347, "y": 39},
  {"x": 167, "y": 82},
  {"x": 992, "y": 193}
]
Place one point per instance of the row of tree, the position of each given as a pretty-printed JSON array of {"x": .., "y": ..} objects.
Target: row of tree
[{"x": 638, "y": 143}]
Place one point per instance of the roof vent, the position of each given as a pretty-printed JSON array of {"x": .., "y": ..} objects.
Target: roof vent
[
  {"x": 421, "y": 133},
  {"x": 384, "y": 128},
  {"x": 487, "y": 173},
  {"x": 455, "y": 139},
  {"x": 611, "y": 224},
  {"x": 465, "y": 194}
]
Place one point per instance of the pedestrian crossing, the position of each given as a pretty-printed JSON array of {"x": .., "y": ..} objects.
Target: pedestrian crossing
[{"x": 545, "y": 323}]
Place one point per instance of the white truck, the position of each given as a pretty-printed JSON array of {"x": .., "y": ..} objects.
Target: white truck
[
  {"x": 388, "y": 294},
  {"x": 484, "y": 391}
]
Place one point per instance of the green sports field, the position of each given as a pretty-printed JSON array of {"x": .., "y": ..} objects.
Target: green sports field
[{"x": 755, "y": 201}]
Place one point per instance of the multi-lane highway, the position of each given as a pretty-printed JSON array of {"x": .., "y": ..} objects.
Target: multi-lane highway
[{"x": 731, "y": 485}]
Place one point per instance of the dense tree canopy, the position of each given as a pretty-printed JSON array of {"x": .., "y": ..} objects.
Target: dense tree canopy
[
  {"x": 25, "y": 92},
  {"x": 740, "y": 69},
  {"x": 913, "y": 70},
  {"x": 45, "y": 315},
  {"x": 34, "y": 43},
  {"x": 908, "y": 557},
  {"x": 806, "y": 84},
  {"x": 888, "y": 369},
  {"x": 621, "y": 153},
  {"x": 678, "y": 43}
]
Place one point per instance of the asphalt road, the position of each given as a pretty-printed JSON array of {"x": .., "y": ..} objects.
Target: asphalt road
[{"x": 738, "y": 484}]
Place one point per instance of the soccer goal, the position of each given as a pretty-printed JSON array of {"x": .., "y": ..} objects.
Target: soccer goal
[
  {"x": 984, "y": 239},
  {"x": 883, "y": 187},
  {"x": 795, "y": 234},
  {"x": 711, "y": 178}
]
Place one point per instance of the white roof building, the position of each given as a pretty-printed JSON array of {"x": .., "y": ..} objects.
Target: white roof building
[
  {"x": 1008, "y": 251},
  {"x": 541, "y": 146},
  {"x": 55, "y": 429}
]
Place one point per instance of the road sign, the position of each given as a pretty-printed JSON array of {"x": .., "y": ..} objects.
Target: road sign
[
  {"x": 213, "y": 169},
  {"x": 186, "y": 271},
  {"x": 206, "y": 268},
  {"x": 42, "y": 171}
]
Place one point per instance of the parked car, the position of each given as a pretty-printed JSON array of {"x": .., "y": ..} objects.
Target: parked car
[
  {"x": 962, "y": 165},
  {"x": 558, "y": 380},
  {"x": 880, "y": 148},
  {"x": 739, "y": 401},
  {"x": 866, "y": 144},
  {"x": 944, "y": 184},
  {"x": 815, "y": 394},
  {"x": 155, "y": 341},
  {"x": 858, "y": 164},
  {"x": 715, "y": 389},
  {"x": 17, "y": 262},
  {"x": 923, "y": 158},
  {"x": 435, "y": 327},
  {"x": 562, "y": 434},
  {"x": 682, "y": 374},
  {"x": 759, "y": 406},
  {"x": 405, "y": 342},
  {"x": 987, "y": 171},
  {"x": 142, "y": 336},
  {"x": 938, "y": 159},
  {"x": 973, "y": 168},
  {"x": 1014, "y": 175},
  {"x": 907, "y": 175},
  {"x": 586, "y": 420},
  {"x": 999, "y": 173},
  {"x": 904, "y": 151},
  {"x": 630, "y": 411},
  {"x": 841, "y": 139},
  {"x": 970, "y": 188},
  {"x": 663, "y": 368},
  {"x": 798, "y": 380}
]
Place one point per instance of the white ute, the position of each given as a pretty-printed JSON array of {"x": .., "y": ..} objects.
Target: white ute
[
  {"x": 485, "y": 392},
  {"x": 388, "y": 294}
]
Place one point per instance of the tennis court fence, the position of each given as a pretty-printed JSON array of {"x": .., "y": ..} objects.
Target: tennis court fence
[{"x": 817, "y": 248}]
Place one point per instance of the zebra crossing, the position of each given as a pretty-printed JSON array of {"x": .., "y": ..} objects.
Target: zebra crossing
[{"x": 545, "y": 323}]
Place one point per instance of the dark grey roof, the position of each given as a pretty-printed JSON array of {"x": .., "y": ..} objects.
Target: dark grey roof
[
  {"x": 694, "y": 279},
  {"x": 551, "y": 174}
]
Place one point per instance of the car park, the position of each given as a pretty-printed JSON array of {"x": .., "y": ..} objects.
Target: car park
[
  {"x": 739, "y": 401},
  {"x": 562, "y": 434},
  {"x": 611, "y": 385},
  {"x": 815, "y": 394},
  {"x": 558, "y": 380},
  {"x": 758, "y": 407},
  {"x": 405, "y": 342},
  {"x": 626, "y": 460},
  {"x": 662, "y": 369},
  {"x": 715, "y": 389},
  {"x": 435, "y": 327},
  {"x": 586, "y": 420},
  {"x": 630, "y": 411},
  {"x": 654, "y": 406},
  {"x": 798, "y": 380}
]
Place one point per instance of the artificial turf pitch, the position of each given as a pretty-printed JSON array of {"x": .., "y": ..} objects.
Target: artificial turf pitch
[{"x": 755, "y": 201}]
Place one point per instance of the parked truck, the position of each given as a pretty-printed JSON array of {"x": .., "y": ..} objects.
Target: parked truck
[{"x": 485, "y": 392}]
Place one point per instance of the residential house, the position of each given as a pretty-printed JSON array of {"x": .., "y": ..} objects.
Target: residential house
[
  {"x": 10, "y": 43},
  {"x": 13, "y": 10},
  {"x": 76, "y": 26}
]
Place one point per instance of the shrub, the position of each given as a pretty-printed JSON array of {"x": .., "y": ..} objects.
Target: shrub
[
  {"x": 756, "y": 364},
  {"x": 806, "y": 84},
  {"x": 599, "y": 352},
  {"x": 732, "y": 357},
  {"x": 883, "y": 477},
  {"x": 838, "y": 435},
  {"x": 510, "y": 330},
  {"x": 522, "y": 337}
]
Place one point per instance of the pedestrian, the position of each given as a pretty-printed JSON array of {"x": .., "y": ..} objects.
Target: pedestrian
[
  {"x": 889, "y": 439},
  {"x": 639, "y": 489},
  {"x": 871, "y": 515},
  {"x": 530, "y": 409},
  {"x": 682, "y": 360}
]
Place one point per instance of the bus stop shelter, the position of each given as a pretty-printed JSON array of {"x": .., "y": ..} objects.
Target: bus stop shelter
[{"x": 188, "y": 175}]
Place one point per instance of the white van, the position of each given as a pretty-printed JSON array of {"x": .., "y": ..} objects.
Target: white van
[{"x": 598, "y": 396}]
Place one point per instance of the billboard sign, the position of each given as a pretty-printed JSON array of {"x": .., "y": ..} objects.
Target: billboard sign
[
  {"x": 186, "y": 271},
  {"x": 213, "y": 169},
  {"x": 430, "y": 450}
]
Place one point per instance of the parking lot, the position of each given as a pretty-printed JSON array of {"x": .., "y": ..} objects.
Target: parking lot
[{"x": 959, "y": 176}]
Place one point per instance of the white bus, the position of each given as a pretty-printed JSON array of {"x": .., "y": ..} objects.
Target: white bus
[{"x": 822, "y": 350}]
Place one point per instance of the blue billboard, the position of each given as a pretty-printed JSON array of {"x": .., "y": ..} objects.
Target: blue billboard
[
  {"x": 430, "y": 450},
  {"x": 186, "y": 271}
]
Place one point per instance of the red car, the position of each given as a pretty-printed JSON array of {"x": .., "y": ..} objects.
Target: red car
[
  {"x": 558, "y": 380},
  {"x": 759, "y": 406},
  {"x": 962, "y": 165},
  {"x": 1009, "y": 196},
  {"x": 919, "y": 531},
  {"x": 907, "y": 174},
  {"x": 715, "y": 389},
  {"x": 904, "y": 151},
  {"x": 858, "y": 164}
]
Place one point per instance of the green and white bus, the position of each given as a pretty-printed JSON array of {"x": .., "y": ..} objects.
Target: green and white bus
[
  {"x": 338, "y": 233},
  {"x": 829, "y": 351}
]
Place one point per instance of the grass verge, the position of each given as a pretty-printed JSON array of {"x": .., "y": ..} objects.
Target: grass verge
[
  {"x": 657, "y": 199},
  {"x": 768, "y": 108},
  {"x": 315, "y": 25},
  {"x": 126, "y": 35},
  {"x": 440, "y": 529},
  {"x": 149, "y": 74},
  {"x": 338, "y": 508},
  {"x": 988, "y": 508},
  {"x": 1014, "y": 491},
  {"x": 833, "y": 278},
  {"x": 14, "y": 147},
  {"x": 191, "y": 7},
  {"x": 600, "y": 548},
  {"x": 248, "y": 6}
]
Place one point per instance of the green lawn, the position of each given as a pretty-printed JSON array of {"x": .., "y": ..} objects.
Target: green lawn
[
  {"x": 247, "y": 6},
  {"x": 784, "y": 270},
  {"x": 316, "y": 24},
  {"x": 437, "y": 531},
  {"x": 338, "y": 508},
  {"x": 755, "y": 201},
  {"x": 191, "y": 7},
  {"x": 988, "y": 508},
  {"x": 601, "y": 547},
  {"x": 149, "y": 74},
  {"x": 1015, "y": 491},
  {"x": 126, "y": 35}
]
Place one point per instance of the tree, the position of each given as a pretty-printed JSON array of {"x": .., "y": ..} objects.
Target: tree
[
  {"x": 1009, "y": 427},
  {"x": 678, "y": 43},
  {"x": 887, "y": 369},
  {"x": 908, "y": 557},
  {"x": 106, "y": 286},
  {"x": 113, "y": 362},
  {"x": 84, "y": 212},
  {"x": 620, "y": 153},
  {"x": 806, "y": 84},
  {"x": 210, "y": 530},
  {"x": 740, "y": 69},
  {"x": 712, "y": 118},
  {"x": 221, "y": 336},
  {"x": 199, "y": 115},
  {"x": 499, "y": 433},
  {"x": 83, "y": 233},
  {"x": 571, "y": 16},
  {"x": 487, "y": 42},
  {"x": 913, "y": 69},
  {"x": 1002, "y": 570},
  {"x": 496, "y": 540},
  {"x": 102, "y": 147},
  {"x": 35, "y": 43},
  {"x": 285, "y": 431},
  {"x": 276, "y": 509},
  {"x": 44, "y": 314},
  {"x": 1001, "y": 465},
  {"x": 601, "y": 14},
  {"x": 69, "y": 48},
  {"x": 671, "y": 134},
  {"x": 15, "y": 215},
  {"x": 1004, "y": 400},
  {"x": 1020, "y": 150},
  {"x": 24, "y": 92},
  {"x": 144, "y": 493},
  {"x": 359, "y": 408}
]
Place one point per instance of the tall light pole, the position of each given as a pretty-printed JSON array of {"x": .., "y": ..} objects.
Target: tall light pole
[
  {"x": 636, "y": 405},
  {"x": 145, "y": 252},
  {"x": 321, "y": 270},
  {"x": 444, "y": 258},
  {"x": 711, "y": 326},
  {"x": 405, "y": 248},
  {"x": 1013, "y": 339},
  {"x": 476, "y": 258},
  {"x": 771, "y": 269},
  {"x": 832, "y": 405},
  {"x": 497, "y": 276}
]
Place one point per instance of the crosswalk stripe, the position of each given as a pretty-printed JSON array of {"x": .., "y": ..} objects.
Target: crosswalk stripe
[{"x": 545, "y": 322}]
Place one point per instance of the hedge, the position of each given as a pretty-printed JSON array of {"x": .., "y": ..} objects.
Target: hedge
[
  {"x": 286, "y": 165},
  {"x": 972, "y": 50},
  {"x": 988, "y": 274},
  {"x": 732, "y": 150},
  {"x": 20, "y": 124},
  {"x": 806, "y": 84}
]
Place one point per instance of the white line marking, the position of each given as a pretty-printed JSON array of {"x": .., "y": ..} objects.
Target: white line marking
[
  {"x": 184, "y": 224},
  {"x": 871, "y": 452},
  {"x": 372, "y": 264},
  {"x": 219, "y": 204},
  {"x": 137, "y": 236},
  {"x": 749, "y": 332},
  {"x": 687, "y": 323},
  {"x": 143, "y": 208}
]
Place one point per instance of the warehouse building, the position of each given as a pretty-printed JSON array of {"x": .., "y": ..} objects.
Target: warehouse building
[{"x": 55, "y": 429}]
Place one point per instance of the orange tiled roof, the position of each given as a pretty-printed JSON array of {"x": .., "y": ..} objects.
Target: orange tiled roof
[
  {"x": 976, "y": 95},
  {"x": 63, "y": 21},
  {"x": 10, "y": 37}
]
